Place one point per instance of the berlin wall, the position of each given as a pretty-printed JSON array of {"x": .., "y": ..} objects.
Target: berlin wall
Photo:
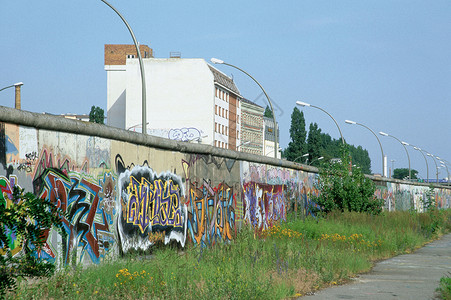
[{"x": 124, "y": 191}]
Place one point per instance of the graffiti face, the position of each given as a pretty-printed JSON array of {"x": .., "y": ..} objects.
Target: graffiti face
[{"x": 150, "y": 204}]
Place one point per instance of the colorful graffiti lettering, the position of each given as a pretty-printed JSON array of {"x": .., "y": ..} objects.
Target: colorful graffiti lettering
[
  {"x": 156, "y": 203},
  {"x": 150, "y": 203},
  {"x": 263, "y": 204},
  {"x": 85, "y": 223},
  {"x": 211, "y": 216}
]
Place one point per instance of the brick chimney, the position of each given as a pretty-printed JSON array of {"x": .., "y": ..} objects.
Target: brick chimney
[{"x": 17, "y": 87}]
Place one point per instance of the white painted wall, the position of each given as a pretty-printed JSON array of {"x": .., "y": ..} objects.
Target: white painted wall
[
  {"x": 116, "y": 95},
  {"x": 180, "y": 95}
]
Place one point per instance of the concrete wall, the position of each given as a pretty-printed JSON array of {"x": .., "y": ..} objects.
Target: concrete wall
[{"x": 124, "y": 190}]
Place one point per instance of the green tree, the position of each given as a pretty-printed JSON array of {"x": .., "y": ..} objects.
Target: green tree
[
  {"x": 268, "y": 112},
  {"x": 361, "y": 158},
  {"x": 342, "y": 187},
  {"x": 97, "y": 115},
  {"x": 315, "y": 146},
  {"x": 23, "y": 221},
  {"x": 297, "y": 146},
  {"x": 403, "y": 173}
]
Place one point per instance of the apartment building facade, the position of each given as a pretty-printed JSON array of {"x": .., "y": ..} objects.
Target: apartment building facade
[
  {"x": 187, "y": 99},
  {"x": 251, "y": 127}
]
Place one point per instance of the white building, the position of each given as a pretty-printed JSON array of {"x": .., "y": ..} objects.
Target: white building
[{"x": 187, "y": 99}]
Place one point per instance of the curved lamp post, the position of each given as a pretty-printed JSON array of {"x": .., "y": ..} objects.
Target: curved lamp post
[
  {"x": 221, "y": 62},
  {"x": 443, "y": 164},
  {"x": 10, "y": 86},
  {"x": 17, "y": 86},
  {"x": 300, "y": 103},
  {"x": 319, "y": 158},
  {"x": 141, "y": 66},
  {"x": 404, "y": 144},
  {"x": 242, "y": 144},
  {"x": 273, "y": 151},
  {"x": 304, "y": 155},
  {"x": 436, "y": 166},
  {"x": 383, "y": 157},
  {"x": 425, "y": 159}
]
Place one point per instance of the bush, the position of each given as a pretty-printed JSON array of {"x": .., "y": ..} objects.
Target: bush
[
  {"x": 445, "y": 287},
  {"x": 23, "y": 221},
  {"x": 345, "y": 188}
]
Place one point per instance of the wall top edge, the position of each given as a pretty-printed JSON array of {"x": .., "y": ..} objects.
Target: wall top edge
[{"x": 61, "y": 124}]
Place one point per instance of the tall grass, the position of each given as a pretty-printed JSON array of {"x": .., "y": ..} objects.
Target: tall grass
[{"x": 288, "y": 259}]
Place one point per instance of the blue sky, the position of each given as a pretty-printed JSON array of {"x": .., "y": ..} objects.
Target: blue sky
[{"x": 385, "y": 64}]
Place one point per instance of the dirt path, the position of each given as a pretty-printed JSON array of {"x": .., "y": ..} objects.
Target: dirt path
[{"x": 408, "y": 276}]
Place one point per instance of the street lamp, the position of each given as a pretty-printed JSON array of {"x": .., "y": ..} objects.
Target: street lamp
[
  {"x": 273, "y": 151},
  {"x": 404, "y": 144},
  {"x": 427, "y": 167},
  {"x": 447, "y": 171},
  {"x": 300, "y": 103},
  {"x": 10, "y": 86},
  {"x": 303, "y": 155},
  {"x": 242, "y": 144},
  {"x": 17, "y": 86},
  {"x": 383, "y": 157},
  {"x": 319, "y": 158},
  {"x": 141, "y": 66},
  {"x": 221, "y": 62},
  {"x": 436, "y": 167}
]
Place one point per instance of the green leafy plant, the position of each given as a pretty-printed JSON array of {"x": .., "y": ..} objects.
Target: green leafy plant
[
  {"x": 445, "y": 287},
  {"x": 344, "y": 187},
  {"x": 23, "y": 221}
]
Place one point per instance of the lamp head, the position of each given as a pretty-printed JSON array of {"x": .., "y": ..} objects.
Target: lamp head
[
  {"x": 300, "y": 103},
  {"x": 216, "y": 61},
  {"x": 306, "y": 154},
  {"x": 383, "y": 133},
  {"x": 18, "y": 83},
  {"x": 350, "y": 122},
  {"x": 405, "y": 144}
]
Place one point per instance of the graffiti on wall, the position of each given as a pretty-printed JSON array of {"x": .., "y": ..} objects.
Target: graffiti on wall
[
  {"x": 86, "y": 201},
  {"x": 211, "y": 215},
  {"x": 264, "y": 204},
  {"x": 151, "y": 207},
  {"x": 184, "y": 134}
]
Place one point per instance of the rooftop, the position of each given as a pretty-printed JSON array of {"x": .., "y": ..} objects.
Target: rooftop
[{"x": 224, "y": 80}]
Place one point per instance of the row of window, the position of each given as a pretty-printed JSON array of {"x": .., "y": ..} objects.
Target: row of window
[
  {"x": 221, "y": 144},
  {"x": 222, "y": 129},
  {"x": 221, "y": 111},
  {"x": 222, "y": 95}
]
